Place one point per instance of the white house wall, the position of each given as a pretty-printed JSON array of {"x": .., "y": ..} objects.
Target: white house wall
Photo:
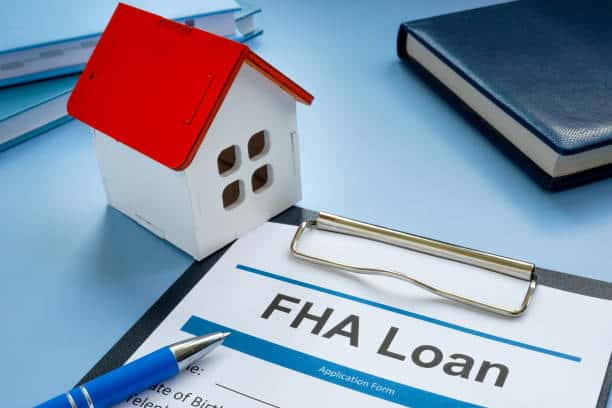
[
  {"x": 253, "y": 103},
  {"x": 148, "y": 192}
]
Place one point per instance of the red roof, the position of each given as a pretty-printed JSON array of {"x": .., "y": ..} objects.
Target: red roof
[{"x": 156, "y": 85}]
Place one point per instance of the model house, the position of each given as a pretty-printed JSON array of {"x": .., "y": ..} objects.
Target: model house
[{"x": 195, "y": 135}]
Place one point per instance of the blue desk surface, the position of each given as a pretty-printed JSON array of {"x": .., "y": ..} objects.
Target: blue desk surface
[{"x": 378, "y": 145}]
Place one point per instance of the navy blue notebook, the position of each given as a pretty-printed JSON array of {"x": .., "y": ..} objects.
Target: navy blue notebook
[{"x": 539, "y": 73}]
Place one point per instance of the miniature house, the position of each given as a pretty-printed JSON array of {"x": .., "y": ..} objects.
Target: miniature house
[{"x": 195, "y": 135}]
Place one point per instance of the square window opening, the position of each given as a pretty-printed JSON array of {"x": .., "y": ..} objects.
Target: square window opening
[
  {"x": 232, "y": 194},
  {"x": 259, "y": 144},
  {"x": 228, "y": 160},
  {"x": 261, "y": 178}
]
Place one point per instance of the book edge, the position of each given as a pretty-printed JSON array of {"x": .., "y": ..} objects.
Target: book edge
[
  {"x": 561, "y": 150},
  {"x": 545, "y": 181},
  {"x": 557, "y": 167},
  {"x": 33, "y": 133},
  {"x": 38, "y": 103},
  {"x": 98, "y": 33}
]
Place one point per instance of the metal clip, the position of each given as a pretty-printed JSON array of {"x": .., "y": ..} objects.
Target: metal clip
[{"x": 506, "y": 266}]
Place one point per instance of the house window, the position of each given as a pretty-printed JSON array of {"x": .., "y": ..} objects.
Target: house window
[
  {"x": 259, "y": 144},
  {"x": 228, "y": 160},
  {"x": 261, "y": 178},
  {"x": 232, "y": 194}
]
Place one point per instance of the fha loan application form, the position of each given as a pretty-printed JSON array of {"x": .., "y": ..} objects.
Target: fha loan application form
[{"x": 304, "y": 336}]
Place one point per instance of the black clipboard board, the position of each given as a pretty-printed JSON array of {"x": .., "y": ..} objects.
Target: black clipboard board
[{"x": 152, "y": 318}]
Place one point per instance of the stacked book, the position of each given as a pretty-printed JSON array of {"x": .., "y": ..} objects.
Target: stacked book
[{"x": 39, "y": 66}]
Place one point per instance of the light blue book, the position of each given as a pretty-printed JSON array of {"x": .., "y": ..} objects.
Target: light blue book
[
  {"x": 31, "y": 109},
  {"x": 245, "y": 22},
  {"x": 41, "y": 38}
]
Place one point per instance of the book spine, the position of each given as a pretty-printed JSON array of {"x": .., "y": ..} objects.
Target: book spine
[{"x": 402, "y": 35}]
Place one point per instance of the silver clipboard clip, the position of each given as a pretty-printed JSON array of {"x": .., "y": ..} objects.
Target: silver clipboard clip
[{"x": 506, "y": 266}]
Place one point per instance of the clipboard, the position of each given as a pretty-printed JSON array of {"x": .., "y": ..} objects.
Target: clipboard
[{"x": 152, "y": 318}]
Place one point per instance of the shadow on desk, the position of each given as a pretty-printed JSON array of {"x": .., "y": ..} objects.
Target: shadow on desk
[
  {"x": 584, "y": 203},
  {"x": 125, "y": 261}
]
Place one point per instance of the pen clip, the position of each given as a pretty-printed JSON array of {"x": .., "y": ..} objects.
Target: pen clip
[{"x": 506, "y": 266}]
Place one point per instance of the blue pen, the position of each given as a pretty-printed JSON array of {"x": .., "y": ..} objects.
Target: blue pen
[{"x": 123, "y": 382}]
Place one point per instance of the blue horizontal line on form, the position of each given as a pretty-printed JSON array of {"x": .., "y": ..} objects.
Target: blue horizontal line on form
[
  {"x": 413, "y": 315},
  {"x": 325, "y": 370}
]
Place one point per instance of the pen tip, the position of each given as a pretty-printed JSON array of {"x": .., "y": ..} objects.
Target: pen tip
[{"x": 192, "y": 349}]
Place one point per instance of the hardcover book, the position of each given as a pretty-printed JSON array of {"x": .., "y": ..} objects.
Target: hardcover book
[
  {"x": 43, "y": 39},
  {"x": 31, "y": 109},
  {"x": 537, "y": 72}
]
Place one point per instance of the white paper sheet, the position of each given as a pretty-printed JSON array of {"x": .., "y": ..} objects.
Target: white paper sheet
[{"x": 437, "y": 353}]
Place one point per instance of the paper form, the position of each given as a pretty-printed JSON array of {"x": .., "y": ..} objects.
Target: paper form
[{"x": 304, "y": 336}]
